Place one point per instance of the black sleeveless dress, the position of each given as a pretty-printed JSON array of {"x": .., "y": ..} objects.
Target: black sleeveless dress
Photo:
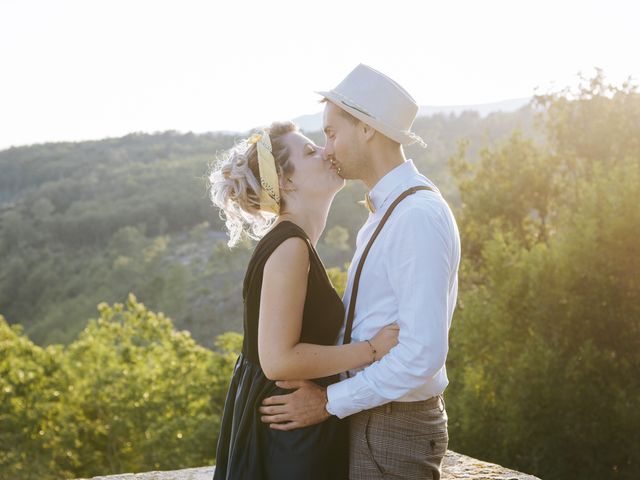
[{"x": 248, "y": 448}]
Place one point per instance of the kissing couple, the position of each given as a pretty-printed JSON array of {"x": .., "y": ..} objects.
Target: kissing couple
[{"x": 331, "y": 388}]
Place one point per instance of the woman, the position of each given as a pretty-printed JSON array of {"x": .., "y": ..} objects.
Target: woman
[{"x": 279, "y": 187}]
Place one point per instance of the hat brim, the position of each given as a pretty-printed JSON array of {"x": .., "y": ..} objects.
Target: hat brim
[{"x": 401, "y": 136}]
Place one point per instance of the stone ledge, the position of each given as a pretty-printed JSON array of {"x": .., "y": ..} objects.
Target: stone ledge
[{"x": 454, "y": 467}]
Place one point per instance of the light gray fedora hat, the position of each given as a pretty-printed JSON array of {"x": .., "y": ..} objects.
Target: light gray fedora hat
[{"x": 374, "y": 98}]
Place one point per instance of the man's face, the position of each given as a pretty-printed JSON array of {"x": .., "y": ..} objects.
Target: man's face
[{"x": 342, "y": 142}]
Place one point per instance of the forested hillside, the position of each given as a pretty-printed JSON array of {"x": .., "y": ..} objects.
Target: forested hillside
[{"x": 86, "y": 222}]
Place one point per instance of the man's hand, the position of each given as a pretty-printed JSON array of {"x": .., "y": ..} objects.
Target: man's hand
[{"x": 304, "y": 407}]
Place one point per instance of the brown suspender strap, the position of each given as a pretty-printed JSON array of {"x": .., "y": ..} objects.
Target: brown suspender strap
[{"x": 356, "y": 280}]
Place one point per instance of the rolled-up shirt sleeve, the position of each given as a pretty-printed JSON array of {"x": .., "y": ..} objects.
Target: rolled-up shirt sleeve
[{"x": 418, "y": 264}]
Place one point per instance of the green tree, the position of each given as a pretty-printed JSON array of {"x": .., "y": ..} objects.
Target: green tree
[
  {"x": 337, "y": 237},
  {"x": 338, "y": 278},
  {"x": 32, "y": 392},
  {"x": 130, "y": 394},
  {"x": 545, "y": 344}
]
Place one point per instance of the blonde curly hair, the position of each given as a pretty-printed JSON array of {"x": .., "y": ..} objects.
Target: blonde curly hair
[{"x": 234, "y": 184}]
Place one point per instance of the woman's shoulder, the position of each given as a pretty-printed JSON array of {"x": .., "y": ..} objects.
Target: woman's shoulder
[
  {"x": 291, "y": 250},
  {"x": 285, "y": 247},
  {"x": 282, "y": 233},
  {"x": 289, "y": 243},
  {"x": 285, "y": 240},
  {"x": 287, "y": 268}
]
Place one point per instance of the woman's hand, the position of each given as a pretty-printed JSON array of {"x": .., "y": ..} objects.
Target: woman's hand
[{"x": 385, "y": 340}]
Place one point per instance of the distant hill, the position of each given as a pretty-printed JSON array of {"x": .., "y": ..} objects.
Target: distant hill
[
  {"x": 313, "y": 122},
  {"x": 86, "y": 222}
]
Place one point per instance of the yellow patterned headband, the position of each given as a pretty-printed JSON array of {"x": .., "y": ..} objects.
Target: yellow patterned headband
[{"x": 270, "y": 192}]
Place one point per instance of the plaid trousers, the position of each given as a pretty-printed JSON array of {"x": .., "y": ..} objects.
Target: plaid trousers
[{"x": 397, "y": 440}]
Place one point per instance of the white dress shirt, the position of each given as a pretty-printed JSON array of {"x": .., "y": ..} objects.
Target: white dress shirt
[{"x": 411, "y": 277}]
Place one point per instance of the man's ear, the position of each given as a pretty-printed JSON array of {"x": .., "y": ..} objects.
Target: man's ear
[{"x": 367, "y": 131}]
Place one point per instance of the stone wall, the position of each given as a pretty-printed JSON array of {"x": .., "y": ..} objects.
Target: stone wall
[{"x": 455, "y": 467}]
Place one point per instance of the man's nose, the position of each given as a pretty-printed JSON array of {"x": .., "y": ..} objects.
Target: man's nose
[
  {"x": 328, "y": 147},
  {"x": 328, "y": 152}
]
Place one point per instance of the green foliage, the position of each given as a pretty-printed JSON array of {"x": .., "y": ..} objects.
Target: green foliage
[
  {"x": 130, "y": 394},
  {"x": 32, "y": 389},
  {"x": 338, "y": 238},
  {"x": 510, "y": 189},
  {"x": 596, "y": 121},
  {"x": 338, "y": 278},
  {"x": 544, "y": 353}
]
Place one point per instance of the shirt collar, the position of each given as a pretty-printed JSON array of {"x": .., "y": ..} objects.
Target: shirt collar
[{"x": 381, "y": 190}]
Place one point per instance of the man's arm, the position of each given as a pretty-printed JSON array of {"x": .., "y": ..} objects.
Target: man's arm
[{"x": 417, "y": 259}]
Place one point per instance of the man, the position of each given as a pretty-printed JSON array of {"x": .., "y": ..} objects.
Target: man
[{"x": 397, "y": 416}]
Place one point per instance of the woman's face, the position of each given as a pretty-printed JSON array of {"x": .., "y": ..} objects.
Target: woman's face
[{"x": 314, "y": 175}]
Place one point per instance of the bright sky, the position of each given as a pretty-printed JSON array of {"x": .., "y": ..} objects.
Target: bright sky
[{"x": 89, "y": 69}]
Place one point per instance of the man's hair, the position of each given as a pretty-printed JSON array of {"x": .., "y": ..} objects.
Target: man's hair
[{"x": 344, "y": 113}]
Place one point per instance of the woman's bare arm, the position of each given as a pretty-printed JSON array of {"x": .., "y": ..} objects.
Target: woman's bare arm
[{"x": 282, "y": 356}]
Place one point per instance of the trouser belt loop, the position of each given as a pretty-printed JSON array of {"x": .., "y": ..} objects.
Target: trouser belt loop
[{"x": 387, "y": 407}]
